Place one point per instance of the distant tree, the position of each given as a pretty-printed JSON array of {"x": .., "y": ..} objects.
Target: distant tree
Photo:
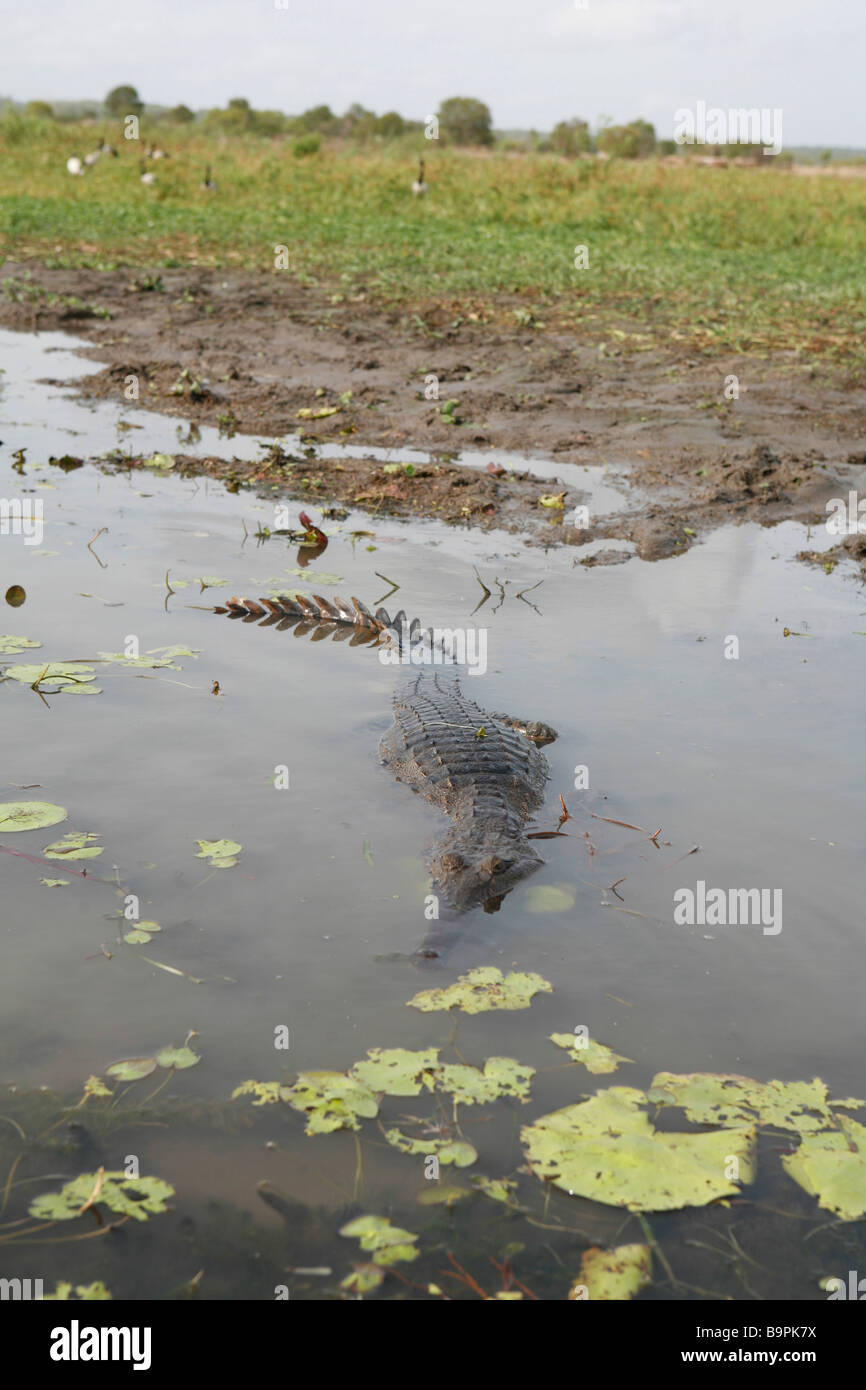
[
  {"x": 667, "y": 147},
  {"x": 43, "y": 109},
  {"x": 826, "y": 156},
  {"x": 571, "y": 138},
  {"x": 180, "y": 115},
  {"x": 358, "y": 123},
  {"x": 124, "y": 101},
  {"x": 465, "y": 121},
  {"x": 627, "y": 141},
  {"x": 238, "y": 104},
  {"x": 320, "y": 119},
  {"x": 390, "y": 125}
]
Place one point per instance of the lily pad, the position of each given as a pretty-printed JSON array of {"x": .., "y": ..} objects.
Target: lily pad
[
  {"x": 502, "y": 1076},
  {"x": 442, "y": 1195},
  {"x": 482, "y": 989},
  {"x": 86, "y": 1292},
  {"x": 159, "y": 461},
  {"x": 74, "y": 846},
  {"x": 9, "y": 645},
  {"x": 710, "y": 1099},
  {"x": 330, "y": 1100},
  {"x": 388, "y": 1242},
  {"x": 147, "y": 662},
  {"x": 832, "y": 1167},
  {"x": 266, "y": 1092},
  {"x": 498, "y": 1189},
  {"x": 60, "y": 673},
  {"x": 549, "y": 897},
  {"x": 29, "y": 815},
  {"x": 606, "y": 1149},
  {"x": 455, "y": 1151},
  {"x": 178, "y": 1057},
  {"x": 137, "y": 1198},
  {"x": 363, "y": 1279},
  {"x": 222, "y": 854},
  {"x": 615, "y": 1274},
  {"x": 132, "y": 1068},
  {"x": 396, "y": 1071},
  {"x": 56, "y": 882},
  {"x": 597, "y": 1058}
]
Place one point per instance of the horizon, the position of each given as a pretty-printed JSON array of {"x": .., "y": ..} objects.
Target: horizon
[{"x": 594, "y": 59}]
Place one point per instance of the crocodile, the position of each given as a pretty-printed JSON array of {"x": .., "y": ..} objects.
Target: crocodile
[{"x": 484, "y": 771}]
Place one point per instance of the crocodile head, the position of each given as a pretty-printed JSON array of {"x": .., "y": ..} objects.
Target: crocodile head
[{"x": 480, "y": 875}]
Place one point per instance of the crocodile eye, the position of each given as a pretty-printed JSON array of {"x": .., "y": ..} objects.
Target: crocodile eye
[
  {"x": 501, "y": 865},
  {"x": 452, "y": 862}
]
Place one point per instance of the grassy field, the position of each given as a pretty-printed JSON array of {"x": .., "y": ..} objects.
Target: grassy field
[{"x": 736, "y": 259}]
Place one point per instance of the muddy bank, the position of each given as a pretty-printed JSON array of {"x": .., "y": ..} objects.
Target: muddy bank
[{"x": 259, "y": 353}]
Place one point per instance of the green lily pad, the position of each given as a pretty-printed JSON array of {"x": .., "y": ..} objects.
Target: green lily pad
[
  {"x": 615, "y": 1274},
  {"x": 482, "y": 989},
  {"x": 442, "y": 1195},
  {"x": 178, "y": 1057},
  {"x": 597, "y": 1058},
  {"x": 266, "y": 1092},
  {"x": 146, "y": 662},
  {"x": 607, "y": 1150},
  {"x": 455, "y": 1151},
  {"x": 29, "y": 815},
  {"x": 210, "y": 581},
  {"x": 498, "y": 1189},
  {"x": 9, "y": 645},
  {"x": 330, "y": 1100},
  {"x": 137, "y": 1198},
  {"x": 56, "y": 882},
  {"x": 363, "y": 1279},
  {"x": 222, "y": 854},
  {"x": 502, "y": 1076},
  {"x": 60, "y": 673},
  {"x": 132, "y": 1068},
  {"x": 729, "y": 1100},
  {"x": 376, "y": 1233},
  {"x": 832, "y": 1167},
  {"x": 397, "y": 1071},
  {"x": 74, "y": 846},
  {"x": 86, "y": 1292},
  {"x": 171, "y": 652}
]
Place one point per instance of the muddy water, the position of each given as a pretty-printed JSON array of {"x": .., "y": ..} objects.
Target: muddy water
[{"x": 755, "y": 760}]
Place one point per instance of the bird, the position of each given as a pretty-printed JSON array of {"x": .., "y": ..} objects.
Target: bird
[
  {"x": 74, "y": 165},
  {"x": 419, "y": 187},
  {"x": 147, "y": 177},
  {"x": 155, "y": 153},
  {"x": 207, "y": 181},
  {"x": 90, "y": 159}
]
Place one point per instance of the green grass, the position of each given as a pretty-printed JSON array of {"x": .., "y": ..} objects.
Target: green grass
[{"x": 742, "y": 259}]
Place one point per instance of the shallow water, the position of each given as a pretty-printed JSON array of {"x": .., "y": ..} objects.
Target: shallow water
[{"x": 756, "y": 760}]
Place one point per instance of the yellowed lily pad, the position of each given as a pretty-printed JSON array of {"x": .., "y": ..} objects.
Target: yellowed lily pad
[
  {"x": 397, "y": 1071},
  {"x": 137, "y": 1198},
  {"x": 75, "y": 845},
  {"x": 502, "y": 1076},
  {"x": 265, "y": 1092},
  {"x": 616, "y": 1274},
  {"x": 52, "y": 673},
  {"x": 606, "y": 1149},
  {"x": 29, "y": 815},
  {"x": 222, "y": 854},
  {"x": 549, "y": 897},
  {"x": 455, "y": 1151},
  {"x": 10, "y": 646},
  {"x": 832, "y": 1167},
  {"x": 597, "y": 1058},
  {"x": 711, "y": 1099},
  {"x": 330, "y": 1100},
  {"x": 389, "y": 1243},
  {"x": 88, "y": 1293},
  {"x": 363, "y": 1279},
  {"x": 482, "y": 989}
]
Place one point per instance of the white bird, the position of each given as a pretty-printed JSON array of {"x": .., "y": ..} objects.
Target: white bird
[
  {"x": 207, "y": 181},
  {"x": 90, "y": 159},
  {"x": 155, "y": 153},
  {"x": 419, "y": 187},
  {"x": 74, "y": 165},
  {"x": 147, "y": 177}
]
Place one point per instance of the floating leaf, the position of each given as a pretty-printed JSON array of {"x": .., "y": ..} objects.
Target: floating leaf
[
  {"x": 502, "y": 1076},
  {"x": 730, "y": 1100},
  {"x": 29, "y": 815},
  {"x": 56, "y": 882},
  {"x": 554, "y": 499},
  {"x": 149, "y": 663},
  {"x": 159, "y": 461},
  {"x": 171, "y": 652},
  {"x": 363, "y": 1279},
  {"x": 266, "y": 1092},
  {"x": 593, "y": 1055},
  {"x": 178, "y": 1057},
  {"x": 397, "y": 1071},
  {"x": 221, "y": 853},
  {"x": 442, "y": 1195},
  {"x": 832, "y": 1167},
  {"x": 330, "y": 1100},
  {"x": 498, "y": 1189},
  {"x": 615, "y": 1274},
  {"x": 134, "y": 1197},
  {"x": 10, "y": 645},
  {"x": 548, "y": 897},
  {"x": 606, "y": 1149},
  {"x": 455, "y": 1151},
  {"x": 137, "y": 937},
  {"x": 86, "y": 1292},
  {"x": 73, "y": 846},
  {"x": 95, "y": 1086},
  {"x": 61, "y": 673},
  {"x": 376, "y": 1233},
  {"x": 307, "y": 413},
  {"x": 210, "y": 581},
  {"x": 132, "y": 1068},
  {"x": 481, "y": 989}
]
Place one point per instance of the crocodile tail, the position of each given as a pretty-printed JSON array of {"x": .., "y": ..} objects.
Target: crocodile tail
[{"x": 314, "y": 614}]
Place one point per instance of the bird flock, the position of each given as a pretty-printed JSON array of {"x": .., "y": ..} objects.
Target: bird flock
[{"x": 78, "y": 167}]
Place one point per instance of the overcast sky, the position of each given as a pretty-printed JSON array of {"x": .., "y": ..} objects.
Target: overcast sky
[{"x": 533, "y": 61}]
